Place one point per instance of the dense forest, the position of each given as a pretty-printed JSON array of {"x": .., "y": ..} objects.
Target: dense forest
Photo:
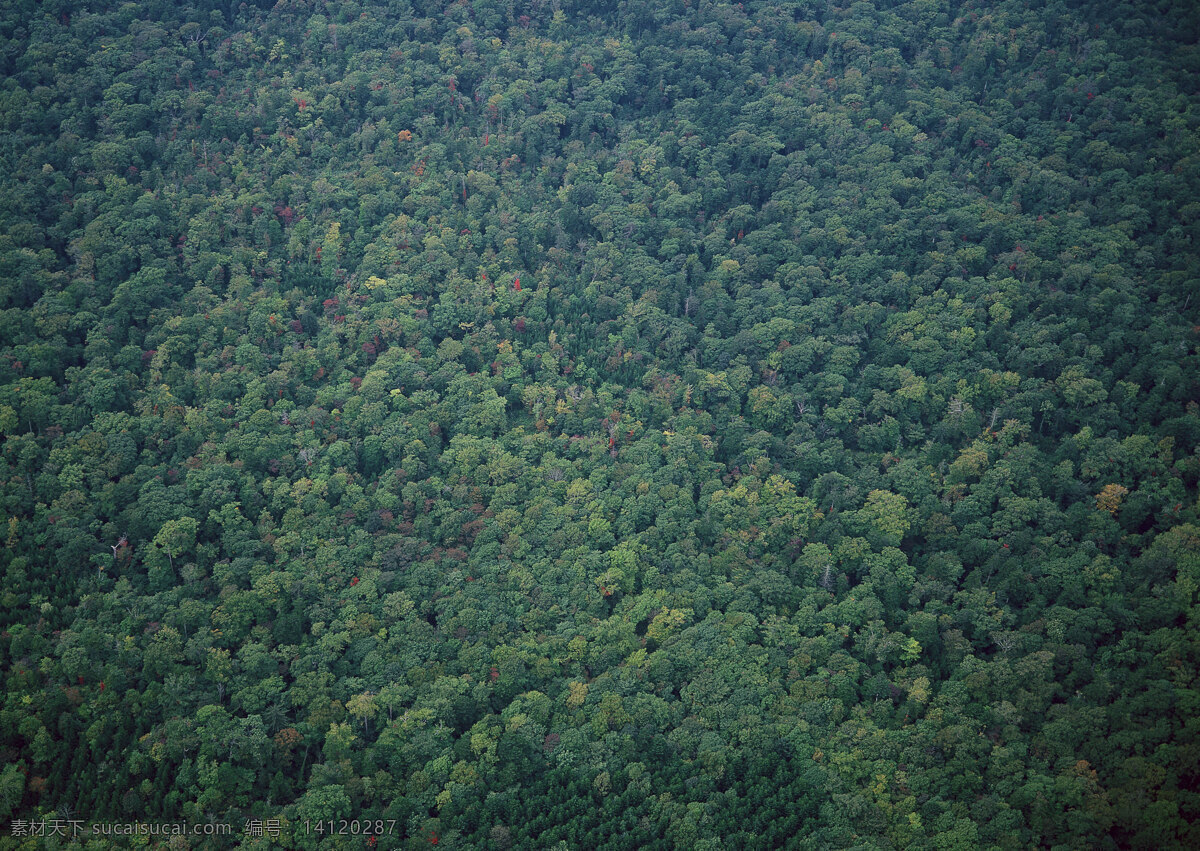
[{"x": 588, "y": 424}]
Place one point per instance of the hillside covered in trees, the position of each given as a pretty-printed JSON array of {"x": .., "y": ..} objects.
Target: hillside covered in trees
[{"x": 681, "y": 424}]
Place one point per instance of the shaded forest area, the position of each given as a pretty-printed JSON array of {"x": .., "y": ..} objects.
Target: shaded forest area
[{"x": 677, "y": 424}]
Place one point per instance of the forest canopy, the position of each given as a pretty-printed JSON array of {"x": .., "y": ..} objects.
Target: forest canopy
[{"x": 680, "y": 424}]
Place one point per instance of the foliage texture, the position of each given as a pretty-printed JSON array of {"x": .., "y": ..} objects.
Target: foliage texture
[{"x": 638, "y": 424}]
